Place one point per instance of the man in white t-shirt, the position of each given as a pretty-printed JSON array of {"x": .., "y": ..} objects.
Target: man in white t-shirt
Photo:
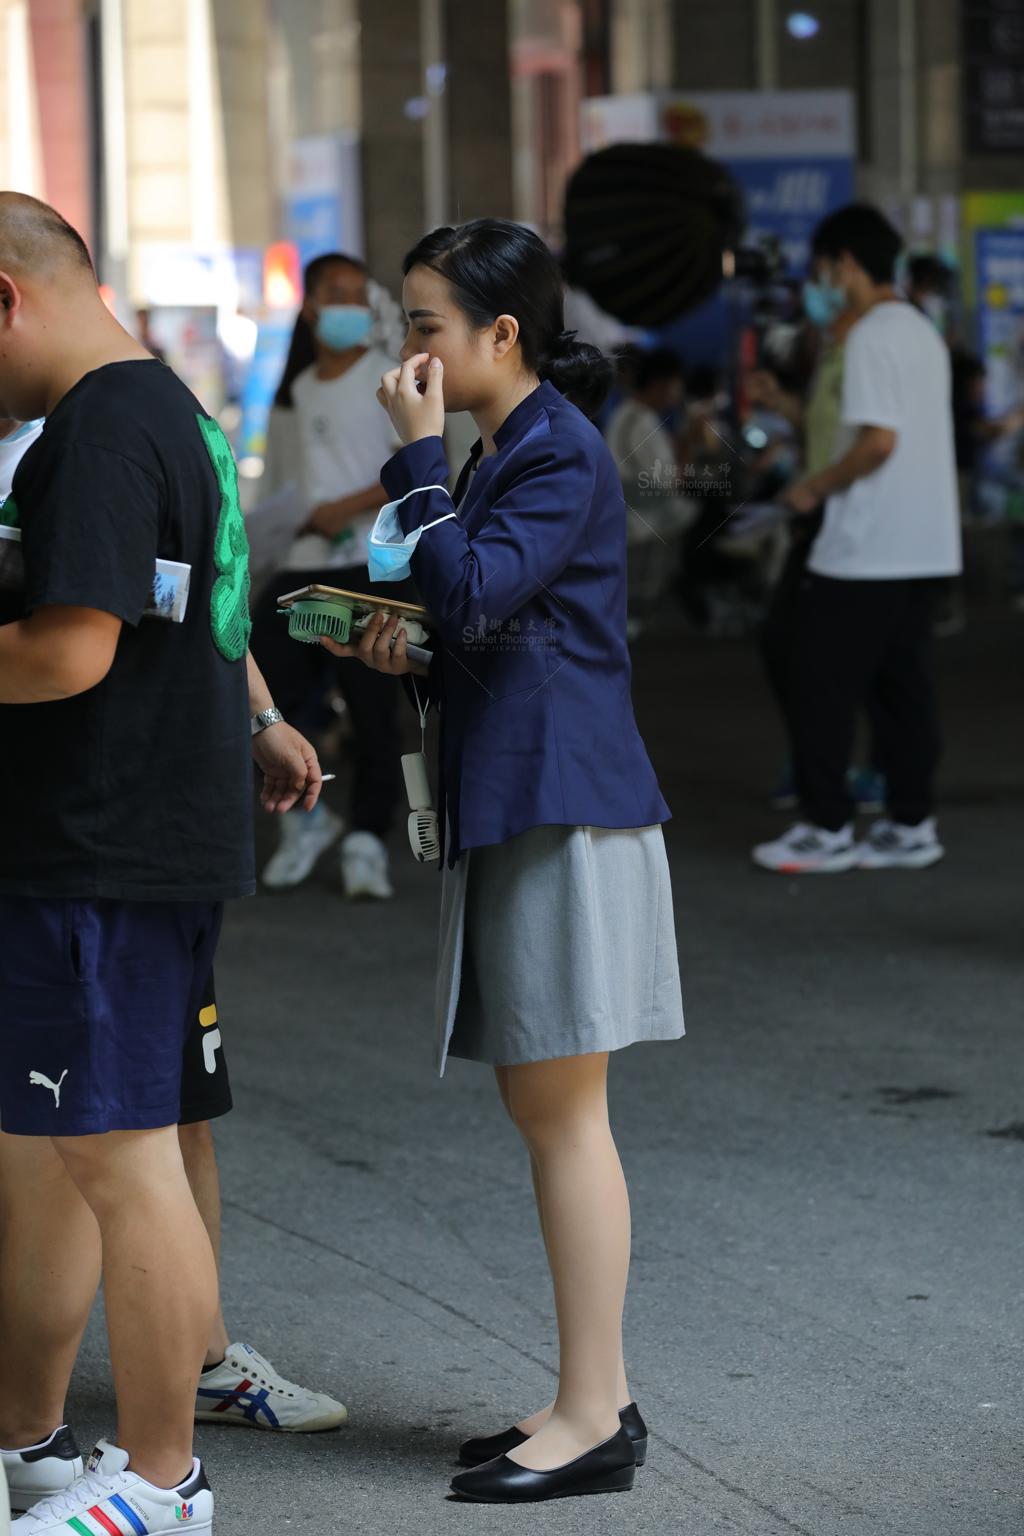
[
  {"x": 343, "y": 439},
  {"x": 891, "y": 528}
]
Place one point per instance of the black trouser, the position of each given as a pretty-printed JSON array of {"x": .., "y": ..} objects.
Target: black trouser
[
  {"x": 777, "y": 637},
  {"x": 299, "y": 676},
  {"x": 864, "y": 643}
]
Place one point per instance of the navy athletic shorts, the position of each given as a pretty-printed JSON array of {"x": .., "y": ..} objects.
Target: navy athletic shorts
[{"x": 99, "y": 1003}]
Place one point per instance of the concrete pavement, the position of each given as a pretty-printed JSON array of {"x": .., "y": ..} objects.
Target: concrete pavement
[{"x": 824, "y": 1327}]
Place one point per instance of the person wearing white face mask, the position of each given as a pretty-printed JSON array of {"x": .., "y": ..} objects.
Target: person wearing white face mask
[
  {"x": 338, "y": 445},
  {"x": 929, "y": 285}
]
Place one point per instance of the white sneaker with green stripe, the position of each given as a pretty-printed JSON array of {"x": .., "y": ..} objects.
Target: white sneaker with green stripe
[{"x": 111, "y": 1500}]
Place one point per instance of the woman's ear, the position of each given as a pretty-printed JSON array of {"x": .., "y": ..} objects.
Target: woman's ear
[{"x": 506, "y": 334}]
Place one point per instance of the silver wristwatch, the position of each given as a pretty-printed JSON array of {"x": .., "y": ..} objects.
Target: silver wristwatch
[{"x": 265, "y": 717}]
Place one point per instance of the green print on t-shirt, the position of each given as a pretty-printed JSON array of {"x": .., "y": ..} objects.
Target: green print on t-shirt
[
  {"x": 9, "y": 513},
  {"x": 229, "y": 601}
]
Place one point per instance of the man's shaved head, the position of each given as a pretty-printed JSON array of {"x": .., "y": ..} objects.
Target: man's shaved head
[
  {"x": 54, "y": 325},
  {"x": 35, "y": 241}
]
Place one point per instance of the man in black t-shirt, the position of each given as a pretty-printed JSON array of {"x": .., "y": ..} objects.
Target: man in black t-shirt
[{"x": 125, "y": 821}]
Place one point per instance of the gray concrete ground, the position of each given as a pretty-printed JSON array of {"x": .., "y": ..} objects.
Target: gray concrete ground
[{"x": 824, "y": 1326}]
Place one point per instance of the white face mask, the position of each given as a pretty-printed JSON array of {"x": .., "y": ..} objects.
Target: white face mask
[
  {"x": 389, "y": 548},
  {"x": 937, "y": 310}
]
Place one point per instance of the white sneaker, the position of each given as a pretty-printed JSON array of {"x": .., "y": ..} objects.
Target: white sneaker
[
  {"x": 108, "y": 1496},
  {"x": 809, "y": 850},
  {"x": 889, "y": 845},
  {"x": 246, "y": 1389},
  {"x": 39, "y": 1470},
  {"x": 305, "y": 835},
  {"x": 5, "y": 1519},
  {"x": 364, "y": 867}
]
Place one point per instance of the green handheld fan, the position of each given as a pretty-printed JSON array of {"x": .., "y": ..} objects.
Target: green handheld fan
[
  {"x": 311, "y": 620},
  {"x": 317, "y": 612}
]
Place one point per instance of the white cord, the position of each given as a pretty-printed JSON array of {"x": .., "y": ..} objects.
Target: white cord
[{"x": 423, "y": 711}]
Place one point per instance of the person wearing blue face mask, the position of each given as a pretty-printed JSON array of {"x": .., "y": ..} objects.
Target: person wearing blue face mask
[
  {"x": 891, "y": 530},
  {"x": 339, "y": 439},
  {"x": 823, "y": 302}
]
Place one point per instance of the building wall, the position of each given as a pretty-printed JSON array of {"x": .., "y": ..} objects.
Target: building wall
[
  {"x": 241, "y": 36},
  {"x": 715, "y": 45},
  {"x": 392, "y": 141},
  {"x": 158, "y": 122},
  {"x": 44, "y": 105}
]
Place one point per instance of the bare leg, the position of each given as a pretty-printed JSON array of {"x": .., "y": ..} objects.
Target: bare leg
[
  {"x": 200, "y": 1157},
  {"x": 159, "y": 1284},
  {"x": 49, "y": 1271},
  {"x": 561, "y": 1110},
  {"x": 536, "y": 1421}
]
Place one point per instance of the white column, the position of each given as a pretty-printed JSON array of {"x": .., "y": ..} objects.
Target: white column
[
  {"x": 205, "y": 164},
  {"x": 23, "y": 171}
]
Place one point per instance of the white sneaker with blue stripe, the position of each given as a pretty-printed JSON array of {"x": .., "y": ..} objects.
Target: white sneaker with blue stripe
[
  {"x": 245, "y": 1389},
  {"x": 111, "y": 1500}
]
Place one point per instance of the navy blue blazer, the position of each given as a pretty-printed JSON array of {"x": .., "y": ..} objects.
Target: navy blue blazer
[{"x": 526, "y": 588}]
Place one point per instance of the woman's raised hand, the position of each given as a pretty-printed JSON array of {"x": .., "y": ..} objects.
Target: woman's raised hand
[{"x": 415, "y": 413}]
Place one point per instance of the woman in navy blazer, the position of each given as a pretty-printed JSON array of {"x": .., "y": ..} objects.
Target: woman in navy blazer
[{"x": 558, "y": 942}]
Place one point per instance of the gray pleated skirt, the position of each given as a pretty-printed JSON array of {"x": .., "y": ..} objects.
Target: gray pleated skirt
[{"x": 559, "y": 942}]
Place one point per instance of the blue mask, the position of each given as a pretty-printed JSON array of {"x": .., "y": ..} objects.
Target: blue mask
[
  {"x": 22, "y": 431},
  {"x": 340, "y": 326},
  {"x": 823, "y": 303},
  {"x": 389, "y": 548}
]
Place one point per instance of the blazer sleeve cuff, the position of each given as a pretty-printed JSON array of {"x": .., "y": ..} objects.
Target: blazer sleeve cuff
[{"x": 418, "y": 463}]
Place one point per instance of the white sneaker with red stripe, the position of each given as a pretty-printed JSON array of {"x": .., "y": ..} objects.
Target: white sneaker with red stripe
[
  {"x": 245, "y": 1389},
  {"x": 809, "y": 850},
  {"x": 109, "y": 1499}
]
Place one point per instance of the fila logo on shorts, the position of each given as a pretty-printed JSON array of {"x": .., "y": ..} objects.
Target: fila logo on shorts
[{"x": 208, "y": 1019}]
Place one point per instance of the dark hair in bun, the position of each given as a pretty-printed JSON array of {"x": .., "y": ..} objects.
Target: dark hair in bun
[{"x": 496, "y": 267}]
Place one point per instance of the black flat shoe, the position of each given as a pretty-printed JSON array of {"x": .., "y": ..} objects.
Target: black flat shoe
[
  {"x": 473, "y": 1453},
  {"x": 608, "y": 1468}
]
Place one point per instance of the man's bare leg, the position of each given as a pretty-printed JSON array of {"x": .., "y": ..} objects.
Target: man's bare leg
[
  {"x": 49, "y": 1272},
  {"x": 159, "y": 1284},
  {"x": 200, "y": 1158}
]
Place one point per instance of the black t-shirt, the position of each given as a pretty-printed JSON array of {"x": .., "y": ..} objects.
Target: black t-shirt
[{"x": 141, "y": 788}]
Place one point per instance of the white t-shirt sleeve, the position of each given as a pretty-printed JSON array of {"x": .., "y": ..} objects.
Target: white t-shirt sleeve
[{"x": 872, "y": 395}]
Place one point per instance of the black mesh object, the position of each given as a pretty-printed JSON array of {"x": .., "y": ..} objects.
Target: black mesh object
[{"x": 645, "y": 228}]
